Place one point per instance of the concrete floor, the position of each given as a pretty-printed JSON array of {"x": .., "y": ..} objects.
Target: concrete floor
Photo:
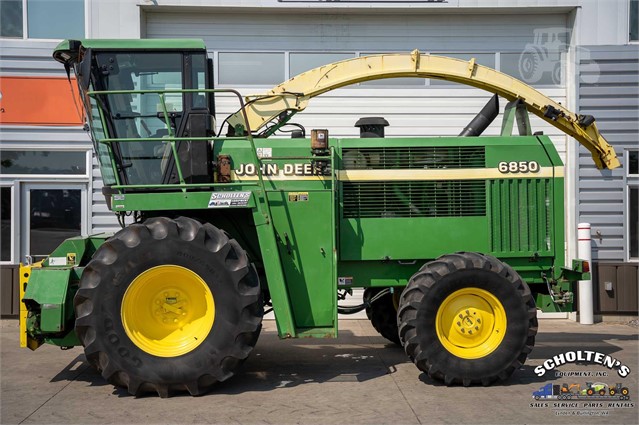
[{"x": 358, "y": 378}]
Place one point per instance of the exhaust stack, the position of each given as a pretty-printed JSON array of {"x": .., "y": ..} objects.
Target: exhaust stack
[{"x": 483, "y": 119}]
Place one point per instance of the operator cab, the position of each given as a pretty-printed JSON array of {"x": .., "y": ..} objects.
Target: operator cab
[{"x": 155, "y": 93}]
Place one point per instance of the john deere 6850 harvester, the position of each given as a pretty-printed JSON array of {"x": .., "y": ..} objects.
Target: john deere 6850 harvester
[{"x": 457, "y": 240}]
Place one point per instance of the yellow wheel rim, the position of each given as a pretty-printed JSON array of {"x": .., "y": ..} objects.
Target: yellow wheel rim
[
  {"x": 471, "y": 323},
  {"x": 168, "y": 311}
]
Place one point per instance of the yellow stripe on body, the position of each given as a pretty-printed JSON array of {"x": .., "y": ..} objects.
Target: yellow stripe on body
[
  {"x": 412, "y": 175},
  {"x": 277, "y": 177}
]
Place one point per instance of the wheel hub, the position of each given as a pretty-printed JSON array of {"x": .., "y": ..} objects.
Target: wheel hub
[
  {"x": 471, "y": 323},
  {"x": 168, "y": 311},
  {"x": 171, "y": 307}
]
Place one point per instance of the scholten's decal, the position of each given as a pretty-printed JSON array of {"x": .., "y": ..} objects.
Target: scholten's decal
[
  {"x": 229, "y": 199},
  {"x": 582, "y": 356}
]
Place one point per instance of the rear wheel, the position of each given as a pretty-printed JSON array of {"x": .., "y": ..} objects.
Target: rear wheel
[
  {"x": 467, "y": 318},
  {"x": 168, "y": 305},
  {"x": 383, "y": 314}
]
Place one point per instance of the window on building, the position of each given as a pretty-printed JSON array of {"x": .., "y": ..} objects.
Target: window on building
[
  {"x": 633, "y": 217},
  {"x": 11, "y": 18},
  {"x": 43, "y": 162},
  {"x": 394, "y": 81},
  {"x": 5, "y": 221},
  {"x": 48, "y": 19},
  {"x": 533, "y": 66},
  {"x": 301, "y": 62},
  {"x": 248, "y": 68},
  {"x": 634, "y": 23},
  {"x": 486, "y": 59},
  {"x": 54, "y": 216},
  {"x": 633, "y": 163}
]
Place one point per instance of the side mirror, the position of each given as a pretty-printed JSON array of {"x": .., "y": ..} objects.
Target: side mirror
[{"x": 83, "y": 71}]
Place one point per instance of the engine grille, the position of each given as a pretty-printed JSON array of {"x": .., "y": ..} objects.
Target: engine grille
[
  {"x": 521, "y": 215},
  {"x": 418, "y": 157},
  {"x": 448, "y": 198}
]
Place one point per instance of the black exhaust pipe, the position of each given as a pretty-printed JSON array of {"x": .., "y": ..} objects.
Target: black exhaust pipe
[{"x": 483, "y": 119}]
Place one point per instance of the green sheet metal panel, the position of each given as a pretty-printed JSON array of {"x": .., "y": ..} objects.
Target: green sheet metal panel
[
  {"x": 304, "y": 234},
  {"x": 50, "y": 289},
  {"x": 410, "y": 238},
  {"x": 521, "y": 216}
]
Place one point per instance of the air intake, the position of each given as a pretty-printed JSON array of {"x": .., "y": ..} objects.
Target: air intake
[
  {"x": 451, "y": 198},
  {"x": 417, "y": 157},
  {"x": 521, "y": 215}
]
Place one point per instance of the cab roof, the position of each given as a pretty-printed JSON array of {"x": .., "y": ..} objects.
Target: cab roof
[{"x": 68, "y": 49}]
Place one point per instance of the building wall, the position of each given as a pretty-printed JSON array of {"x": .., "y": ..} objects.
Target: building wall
[
  {"x": 473, "y": 26},
  {"x": 609, "y": 90},
  {"x": 33, "y": 59},
  {"x": 411, "y": 110}
]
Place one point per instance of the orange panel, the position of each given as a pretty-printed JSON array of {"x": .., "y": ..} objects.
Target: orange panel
[{"x": 39, "y": 101}]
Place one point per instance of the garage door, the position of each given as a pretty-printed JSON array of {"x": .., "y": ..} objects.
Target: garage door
[{"x": 253, "y": 52}]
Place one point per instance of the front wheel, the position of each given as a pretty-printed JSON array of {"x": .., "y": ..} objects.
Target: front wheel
[
  {"x": 168, "y": 305},
  {"x": 467, "y": 318}
]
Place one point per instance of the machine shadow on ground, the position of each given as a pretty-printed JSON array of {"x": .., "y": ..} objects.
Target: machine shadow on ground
[{"x": 289, "y": 363}]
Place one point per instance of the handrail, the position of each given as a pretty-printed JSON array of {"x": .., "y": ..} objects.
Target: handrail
[{"x": 172, "y": 139}]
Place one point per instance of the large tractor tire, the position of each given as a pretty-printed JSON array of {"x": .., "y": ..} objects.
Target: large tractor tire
[
  {"x": 168, "y": 305},
  {"x": 467, "y": 318},
  {"x": 383, "y": 314}
]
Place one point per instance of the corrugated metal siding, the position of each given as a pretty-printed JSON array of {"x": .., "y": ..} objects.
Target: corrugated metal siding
[
  {"x": 20, "y": 57},
  {"x": 29, "y": 58},
  {"x": 608, "y": 90}
]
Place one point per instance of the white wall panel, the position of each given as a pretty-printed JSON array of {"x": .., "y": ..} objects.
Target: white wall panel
[{"x": 373, "y": 33}]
